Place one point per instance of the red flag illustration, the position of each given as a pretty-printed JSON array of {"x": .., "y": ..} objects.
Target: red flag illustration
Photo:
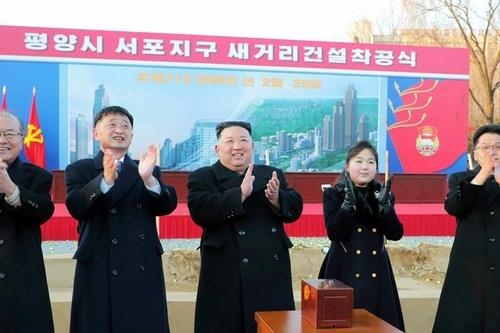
[
  {"x": 4, "y": 99},
  {"x": 33, "y": 142}
]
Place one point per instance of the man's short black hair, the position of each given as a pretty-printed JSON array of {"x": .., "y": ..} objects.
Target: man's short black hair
[
  {"x": 490, "y": 128},
  {"x": 114, "y": 109},
  {"x": 225, "y": 124}
]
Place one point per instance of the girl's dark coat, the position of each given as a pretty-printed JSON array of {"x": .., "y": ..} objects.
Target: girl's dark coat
[{"x": 358, "y": 256}]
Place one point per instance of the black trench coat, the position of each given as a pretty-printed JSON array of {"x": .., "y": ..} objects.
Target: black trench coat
[
  {"x": 470, "y": 297},
  {"x": 119, "y": 283},
  {"x": 245, "y": 260},
  {"x": 24, "y": 295},
  {"x": 357, "y": 254}
]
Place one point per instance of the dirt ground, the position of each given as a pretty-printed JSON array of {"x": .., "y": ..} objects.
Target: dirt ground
[{"x": 424, "y": 263}]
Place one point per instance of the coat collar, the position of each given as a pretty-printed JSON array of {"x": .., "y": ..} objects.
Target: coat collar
[
  {"x": 491, "y": 188},
  {"x": 98, "y": 160},
  {"x": 15, "y": 170}
]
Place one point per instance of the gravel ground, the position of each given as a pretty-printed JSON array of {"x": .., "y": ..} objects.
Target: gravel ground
[{"x": 69, "y": 247}]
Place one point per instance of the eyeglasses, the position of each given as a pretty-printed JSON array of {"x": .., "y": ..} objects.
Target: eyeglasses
[
  {"x": 10, "y": 135},
  {"x": 494, "y": 148}
]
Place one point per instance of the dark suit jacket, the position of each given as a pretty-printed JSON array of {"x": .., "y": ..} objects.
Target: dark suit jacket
[
  {"x": 245, "y": 263},
  {"x": 470, "y": 297},
  {"x": 119, "y": 284},
  {"x": 24, "y": 296}
]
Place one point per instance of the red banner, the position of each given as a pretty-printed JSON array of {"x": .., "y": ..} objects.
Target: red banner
[
  {"x": 240, "y": 51},
  {"x": 33, "y": 142}
]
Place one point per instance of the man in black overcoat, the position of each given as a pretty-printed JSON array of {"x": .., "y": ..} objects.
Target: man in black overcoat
[
  {"x": 470, "y": 298},
  {"x": 119, "y": 284},
  {"x": 245, "y": 261},
  {"x": 25, "y": 204}
]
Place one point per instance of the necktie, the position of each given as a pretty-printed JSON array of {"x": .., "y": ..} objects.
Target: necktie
[{"x": 119, "y": 166}]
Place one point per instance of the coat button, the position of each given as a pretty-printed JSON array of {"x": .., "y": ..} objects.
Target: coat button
[
  {"x": 241, "y": 232},
  {"x": 3, "y": 275},
  {"x": 357, "y": 275},
  {"x": 374, "y": 275},
  {"x": 114, "y": 272},
  {"x": 273, "y": 230},
  {"x": 492, "y": 213},
  {"x": 245, "y": 260},
  {"x": 276, "y": 257},
  {"x": 142, "y": 236},
  {"x": 114, "y": 241},
  {"x": 113, "y": 210},
  {"x": 2, "y": 241},
  {"x": 374, "y": 229}
]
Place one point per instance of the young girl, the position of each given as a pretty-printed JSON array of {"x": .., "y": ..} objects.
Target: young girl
[{"x": 359, "y": 215}]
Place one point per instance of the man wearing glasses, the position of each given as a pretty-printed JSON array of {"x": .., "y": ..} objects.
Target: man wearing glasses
[
  {"x": 470, "y": 297},
  {"x": 25, "y": 204}
]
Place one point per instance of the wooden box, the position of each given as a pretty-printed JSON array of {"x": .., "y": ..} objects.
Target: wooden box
[{"x": 326, "y": 303}]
